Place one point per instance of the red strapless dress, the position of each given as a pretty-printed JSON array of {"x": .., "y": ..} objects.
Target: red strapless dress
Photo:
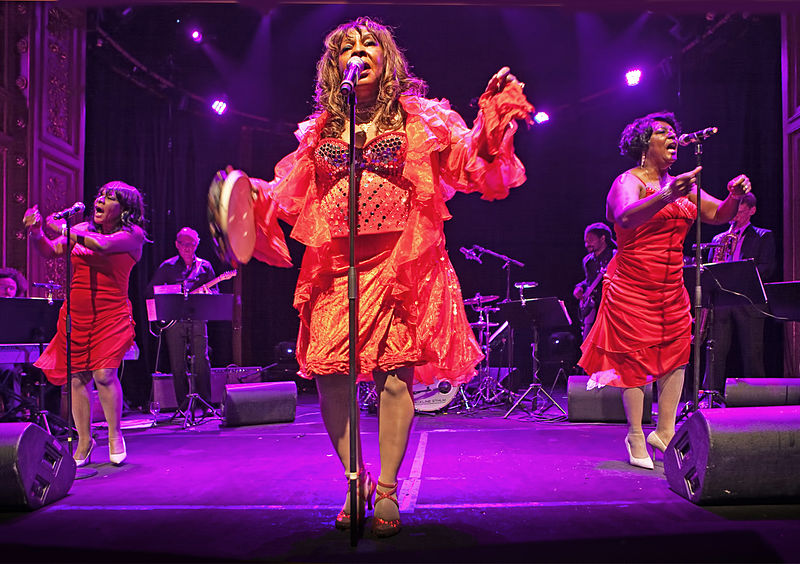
[
  {"x": 643, "y": 326},
  {"x": 102, "y": 323}
]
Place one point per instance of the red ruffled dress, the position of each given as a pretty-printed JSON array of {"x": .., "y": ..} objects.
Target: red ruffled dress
[
  {"x": 643, "y": 326},
  {"x": 410, "y": 310},
  {"x": 102, "y": 323}
]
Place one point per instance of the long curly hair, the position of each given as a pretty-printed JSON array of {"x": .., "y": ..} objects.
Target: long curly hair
[
  {"x": 396, "y": 80},
  {"x": 635, "y": 137},
  {"x": 130, "y": 201}
]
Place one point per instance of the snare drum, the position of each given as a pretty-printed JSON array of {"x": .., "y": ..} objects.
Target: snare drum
[{"x": 230, "y": 217}]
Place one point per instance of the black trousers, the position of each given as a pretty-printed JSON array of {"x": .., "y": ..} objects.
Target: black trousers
[
  {"x": 748, "y": 322},
  {"x": 191, "y": 334}
]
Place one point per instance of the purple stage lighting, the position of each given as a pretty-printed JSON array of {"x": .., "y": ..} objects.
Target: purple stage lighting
[
  {"x": 219, "y": 106},
  {"x": 632, "y": 77},
  {"x": 541, "y": 117},
  {"x": 197, "y": 35}
]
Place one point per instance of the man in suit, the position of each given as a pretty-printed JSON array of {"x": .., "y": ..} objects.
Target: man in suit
[{"x": 749, "y": 242}]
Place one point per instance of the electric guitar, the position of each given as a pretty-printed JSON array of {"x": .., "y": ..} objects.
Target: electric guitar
[
  {"x": 587, "y": 301},
  {"x": 208, "y": 285}
]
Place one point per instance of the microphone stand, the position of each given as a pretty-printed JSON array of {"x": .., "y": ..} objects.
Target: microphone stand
[
  {"x": 83, "y": 472},
  {"x": 352, "y": 296},
  {"x": 509, "y": 262}
]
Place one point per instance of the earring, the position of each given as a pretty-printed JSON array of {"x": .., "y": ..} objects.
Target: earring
[{"x": 642, "y": 160}]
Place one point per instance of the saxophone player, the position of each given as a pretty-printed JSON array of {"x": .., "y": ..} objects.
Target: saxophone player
[{"x": 741, "y": 241}]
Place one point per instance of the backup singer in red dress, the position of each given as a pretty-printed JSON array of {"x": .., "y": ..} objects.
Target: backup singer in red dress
[
  {"x": 413, "y": 154},
  {"x": 103, "y": 252},
  {"x": 643, "y": 328}
]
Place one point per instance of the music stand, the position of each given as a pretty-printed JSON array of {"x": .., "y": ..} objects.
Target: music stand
[
  {"x": 194, "y": 307},
  {"x": 535, "y": 313},
  {"x": 722, "y": 284},
  {"x": 34, "y": 323}
]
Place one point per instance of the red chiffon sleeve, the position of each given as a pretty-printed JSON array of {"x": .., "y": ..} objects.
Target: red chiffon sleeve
[{"x": 458, "y": 162}]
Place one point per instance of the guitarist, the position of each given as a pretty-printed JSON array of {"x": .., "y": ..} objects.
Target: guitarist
[
  {"x": 189, "y": 273},
  {"x": 600, "y": 247}
]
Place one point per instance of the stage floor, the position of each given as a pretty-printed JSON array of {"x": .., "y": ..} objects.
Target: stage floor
[{"x": 475, "y": 487}]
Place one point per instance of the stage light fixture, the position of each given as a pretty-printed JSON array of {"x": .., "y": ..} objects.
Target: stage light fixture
[
  {"x": 632, "y": 77},
  {"x": 196, "y": 35},
  {"x": 541, "y": 117},
  {"x": 220, "y": 106}
]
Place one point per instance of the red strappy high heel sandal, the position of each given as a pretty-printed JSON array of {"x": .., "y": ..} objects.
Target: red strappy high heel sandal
[
  {"x": 383, "y": 527},
  {"x": 366, "y": 492}
]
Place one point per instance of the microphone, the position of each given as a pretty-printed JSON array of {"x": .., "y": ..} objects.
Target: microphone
[
  {"x": 355, "y": 66},
  {"x": 697, "y": 136},
  {"x": 77, "y": 207},
  {"x": 470, "y": 254}
]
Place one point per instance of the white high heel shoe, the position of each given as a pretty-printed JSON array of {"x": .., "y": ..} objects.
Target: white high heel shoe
[
  {"x": 655, "y": 441},
  {"x": 118, "y": 457},
  {"x": 88, "y": 458},
  {"x": 645, "y": 462}
]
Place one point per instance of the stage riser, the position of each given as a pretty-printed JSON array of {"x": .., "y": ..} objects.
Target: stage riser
[
  {"x": 732, "y": 455},
  {"x": 603, "y": 405},
  {"x": 35, "y": 469},
  {"x": 755, "y": 392},
  {"x": 255, "y": 404}
]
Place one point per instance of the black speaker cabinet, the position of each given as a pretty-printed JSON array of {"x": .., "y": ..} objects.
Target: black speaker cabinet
[
  {"x": 755, "y": 392},
  {"x": 263, "y": 402},
  {"x": 601, "y": 404},
  {"x": 221, "y": 377},
  {"x": 35, "y": 469},
  {"x": 164, "y": 391},
  {"x": 736, "y": 454}
]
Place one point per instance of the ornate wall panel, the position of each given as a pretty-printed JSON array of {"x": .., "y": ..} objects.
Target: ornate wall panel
[
  {"x": 57, "y": 109},
  {"x": 16, "y": 23},
  {"x": 791, "y": 173}
]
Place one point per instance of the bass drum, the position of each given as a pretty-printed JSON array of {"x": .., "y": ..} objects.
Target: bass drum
[
  {"x": 230, "y": 217},
  {"x": 434, "y": 397}
]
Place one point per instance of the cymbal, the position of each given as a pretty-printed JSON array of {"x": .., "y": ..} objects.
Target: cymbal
[
  {"x": 485, "y": 308},
  {"x": 484, "y": 324},
  {"x": 478, "y": 299}
]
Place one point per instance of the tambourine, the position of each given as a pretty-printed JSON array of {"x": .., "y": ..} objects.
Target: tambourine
[{"x": 230, "y": 217}]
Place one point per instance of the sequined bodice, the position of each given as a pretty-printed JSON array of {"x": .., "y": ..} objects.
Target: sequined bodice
[{"x": 384, "y": 195}]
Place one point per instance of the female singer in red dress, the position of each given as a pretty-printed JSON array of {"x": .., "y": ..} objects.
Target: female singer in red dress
[
  {"x": 413, "y": 154},
  {"x": 103, "y": 252},
  {"x": 643, "y": 328}
]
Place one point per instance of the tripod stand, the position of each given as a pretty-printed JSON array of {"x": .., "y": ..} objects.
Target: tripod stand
[
  {"x": 536, "y": 313},
  {"x": 189, "y": 308}
]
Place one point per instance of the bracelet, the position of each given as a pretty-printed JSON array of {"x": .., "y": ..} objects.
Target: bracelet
[{"x": 63, "y": 231}]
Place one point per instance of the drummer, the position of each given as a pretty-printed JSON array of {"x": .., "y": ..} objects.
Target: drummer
[{"x": 183, "y": 273}]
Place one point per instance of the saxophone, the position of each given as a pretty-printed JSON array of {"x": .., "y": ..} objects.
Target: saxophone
[{"x": 724, "y": 252}]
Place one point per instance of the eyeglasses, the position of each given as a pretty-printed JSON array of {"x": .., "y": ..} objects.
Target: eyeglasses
[{"x": 187, "y": 245}]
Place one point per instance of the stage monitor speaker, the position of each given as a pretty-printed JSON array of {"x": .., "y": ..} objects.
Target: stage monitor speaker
[
  {"x": 35, "y": 469},
  {"x": 220, "y": 377},
  {"x": 601, "y": 404},
  {"x": 755, "y": 392},
  {"x": 736, "y": 454},
  {"x": 164, "y": 391},
  {"x": 263, "y": 402}
]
